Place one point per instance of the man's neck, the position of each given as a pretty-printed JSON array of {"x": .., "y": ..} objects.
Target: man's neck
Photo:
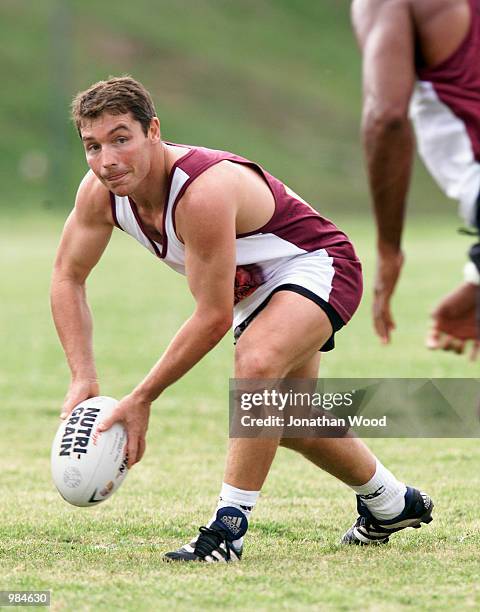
[{"x": 151, "y": 194}]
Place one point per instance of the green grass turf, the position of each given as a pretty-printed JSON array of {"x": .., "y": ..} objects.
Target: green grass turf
[{"x": 109, "y": 557}]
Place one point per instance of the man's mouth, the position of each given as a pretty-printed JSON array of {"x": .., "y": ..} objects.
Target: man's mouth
[{"x": 113, "y": 178}]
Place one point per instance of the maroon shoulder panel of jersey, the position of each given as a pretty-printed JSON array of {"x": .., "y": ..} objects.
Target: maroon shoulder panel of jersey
[{"x": 293, "y": 220}]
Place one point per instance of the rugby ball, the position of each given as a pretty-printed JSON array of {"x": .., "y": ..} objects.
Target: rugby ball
[{"x": 87, "y": 465}]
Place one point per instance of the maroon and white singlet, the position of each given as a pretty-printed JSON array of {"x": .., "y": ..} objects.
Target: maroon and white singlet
[
  {"x": 297, "y": 246},
  {"x": 445, "y": 110}
]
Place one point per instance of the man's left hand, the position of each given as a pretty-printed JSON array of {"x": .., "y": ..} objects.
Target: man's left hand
[
  {"x": 134, "y": 413},
  {"x": 454, "y": 322}
]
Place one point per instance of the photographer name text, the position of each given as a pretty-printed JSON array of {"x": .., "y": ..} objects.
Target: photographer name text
[{"x": 319, "y": 421}]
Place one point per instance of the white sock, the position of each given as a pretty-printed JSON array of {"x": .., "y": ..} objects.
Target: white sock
[
  {"x": 238, "y": 498},
  {"x": 383, "y": 494}
]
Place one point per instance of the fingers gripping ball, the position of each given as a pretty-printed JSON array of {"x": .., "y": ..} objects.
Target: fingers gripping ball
[{"x": 89, "y": 465}]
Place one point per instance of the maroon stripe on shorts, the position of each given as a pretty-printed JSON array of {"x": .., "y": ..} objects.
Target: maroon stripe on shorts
[{"x": 347, "y": 283}]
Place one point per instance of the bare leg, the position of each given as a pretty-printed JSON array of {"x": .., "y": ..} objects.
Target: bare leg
[
  {"x": 283, "y": 336},
  {"x": 249, "y": 461},
  {"x": 348, "y": 458}
]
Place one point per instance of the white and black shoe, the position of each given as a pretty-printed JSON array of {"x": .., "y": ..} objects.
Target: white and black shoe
[
  {"x": 215, "y": 542},
  {"x": 369, "y": 530}
]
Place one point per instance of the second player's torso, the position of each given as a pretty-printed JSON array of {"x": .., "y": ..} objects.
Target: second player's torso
[{"x": 445, "y": 107}]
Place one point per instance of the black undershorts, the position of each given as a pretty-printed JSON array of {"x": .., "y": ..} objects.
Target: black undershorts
[{"x": 332, "y": 314}]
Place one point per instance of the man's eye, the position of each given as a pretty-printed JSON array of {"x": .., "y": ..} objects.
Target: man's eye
[
  {"x": 121, "y": 139},
  {"x": 93, "y": 147}
]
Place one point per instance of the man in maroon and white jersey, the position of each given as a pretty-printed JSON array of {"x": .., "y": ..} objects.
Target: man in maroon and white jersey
[
  {"x": 256, "y": 256},
  {"x": 421, "y": 57}
]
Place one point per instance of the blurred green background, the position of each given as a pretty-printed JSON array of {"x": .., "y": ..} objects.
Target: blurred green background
[{"x": 275, "y": 80}]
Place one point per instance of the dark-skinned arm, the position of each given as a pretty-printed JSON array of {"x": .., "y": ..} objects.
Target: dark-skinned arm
[{"x": 388, "y": 79}]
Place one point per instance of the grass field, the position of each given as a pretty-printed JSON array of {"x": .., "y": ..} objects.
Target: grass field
[{"x": 109, "y": 557}]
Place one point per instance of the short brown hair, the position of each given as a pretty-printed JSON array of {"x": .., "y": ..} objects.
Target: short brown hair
[{"x": 117, "y": 96}]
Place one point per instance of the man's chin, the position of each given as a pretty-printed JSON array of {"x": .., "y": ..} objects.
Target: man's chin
[
  {"x": 121, "y": 190},
  {"x": 121, "y": 187}
]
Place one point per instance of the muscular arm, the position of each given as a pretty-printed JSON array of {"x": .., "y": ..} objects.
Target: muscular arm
[
  {"x": 385, "y": 33},
  {"x": 206, "y": 222},
  {"x": 207, "y": 226},
  {"x": 388, "y": 80},
  {"x": 85, "y": 236}
]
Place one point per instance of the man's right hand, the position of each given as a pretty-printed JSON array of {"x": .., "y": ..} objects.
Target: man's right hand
[
  {"x": 389, "y": 266},
  {"x": 85, "y": 237},
  {"x": 78, "y": 391}
]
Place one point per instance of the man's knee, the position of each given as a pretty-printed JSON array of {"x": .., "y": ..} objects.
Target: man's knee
[{"x": 259, "y": 362}]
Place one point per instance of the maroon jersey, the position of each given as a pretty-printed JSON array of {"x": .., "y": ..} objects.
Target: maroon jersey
[{"x": 297, "y": 246}]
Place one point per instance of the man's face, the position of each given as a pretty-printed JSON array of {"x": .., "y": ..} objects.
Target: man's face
[{"x": 117, "y": 150}]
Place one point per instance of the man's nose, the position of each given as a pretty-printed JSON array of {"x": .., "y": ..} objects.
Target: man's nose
[{"x": 109, "y": 159}]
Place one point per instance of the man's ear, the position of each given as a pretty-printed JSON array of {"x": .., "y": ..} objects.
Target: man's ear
[{"x": 154, "y": 130}]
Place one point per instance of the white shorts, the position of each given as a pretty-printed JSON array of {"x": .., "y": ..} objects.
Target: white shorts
[{"x": 331, "y": 279}]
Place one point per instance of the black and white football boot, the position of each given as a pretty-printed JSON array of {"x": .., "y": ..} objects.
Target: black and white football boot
[
  {"x": 369, "y": 530},
  {"x": 215, "y": 542}
]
